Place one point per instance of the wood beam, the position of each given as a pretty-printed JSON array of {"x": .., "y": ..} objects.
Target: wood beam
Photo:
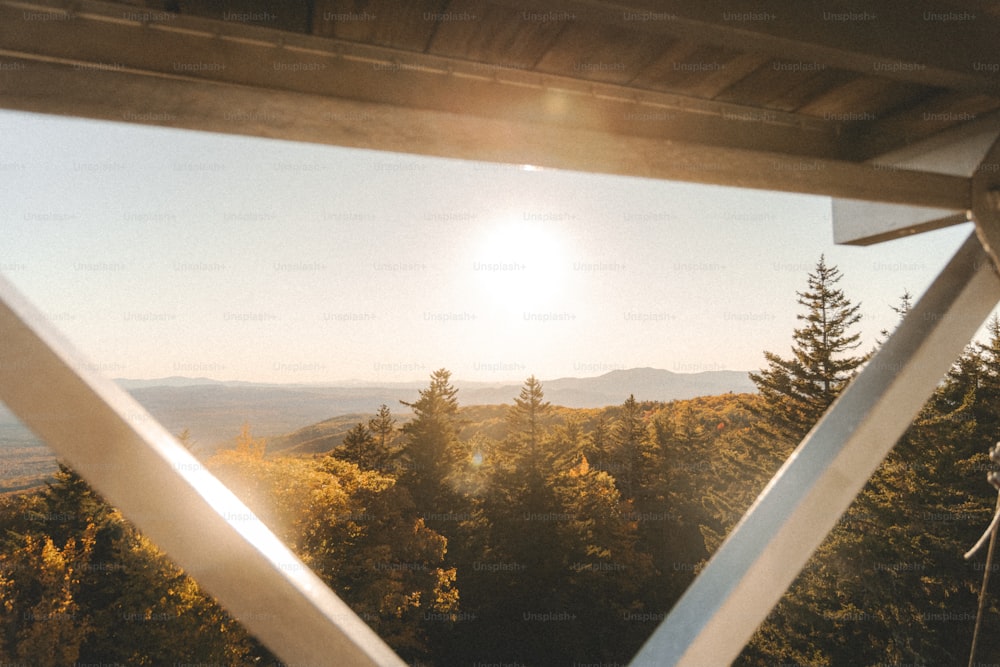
[
  {"x": 105, "y": 36},
  {"x": 961, "y": 151},
  {"x": 130, "y": 459},
  {"x": 773, "y": 541},
  {"x": 933, "y": 117},
  {"x": 916, "y": 41},
  {"x": 233, "y": 109}
]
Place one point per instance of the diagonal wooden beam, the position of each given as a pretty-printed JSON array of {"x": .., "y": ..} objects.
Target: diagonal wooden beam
[
  {"x": 107, "y": 437},
  {"x": 961, "y": 151},
  {"x": 756, "y": 564}
]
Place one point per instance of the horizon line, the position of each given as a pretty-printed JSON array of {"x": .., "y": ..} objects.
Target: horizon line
[{"x": 373, "y": 382}]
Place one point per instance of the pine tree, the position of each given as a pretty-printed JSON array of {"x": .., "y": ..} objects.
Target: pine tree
[
  {"x": 597, "y": 449},
  {"x": 383, "y": 429},
  {"x": 95, "y": 585},
  {"x": 370, "y": 446},
  {"x": 905, "y": 304},
  {"x": 988, "y": 418},
  {"x": 525, "y": 417},
  {"x": 630, "y": 448},
  {"x": 431, "y": 447},
  {"x": 570, "y": 442},
  {"x": 567, "y": 539},
  {"x": 519, "y": 485},
  {"x": 528, "y": 459},
  {"x": 797, "y": 391},
  {"x": 892, "y": 565},
  {"x": 358, "y": 447}
]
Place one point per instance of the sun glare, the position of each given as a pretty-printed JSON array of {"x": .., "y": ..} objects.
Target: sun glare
[{"x": 521, "y": 264}]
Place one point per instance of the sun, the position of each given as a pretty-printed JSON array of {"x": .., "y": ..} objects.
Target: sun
[{"x": 521, "y": 264}]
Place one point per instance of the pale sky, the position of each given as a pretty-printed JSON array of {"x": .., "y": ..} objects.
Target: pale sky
[{"x": 163, "y": 252}]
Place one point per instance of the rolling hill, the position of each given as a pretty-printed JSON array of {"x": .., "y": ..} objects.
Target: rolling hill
[{"x": 214, "y": 411}]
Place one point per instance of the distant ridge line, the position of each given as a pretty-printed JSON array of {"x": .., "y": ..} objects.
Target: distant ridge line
[
  {"x": 691, "y": 371},
  {"x": 214, "y": 411}
]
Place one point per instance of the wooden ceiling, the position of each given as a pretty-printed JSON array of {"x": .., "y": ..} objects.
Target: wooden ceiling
[
  {"x": 896, "y": 104},
  {"x": 783, "y": 94}
]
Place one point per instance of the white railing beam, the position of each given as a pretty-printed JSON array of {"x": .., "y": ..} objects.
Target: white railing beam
[
  {"x": 129, "y": 458},
  {"x": 757, "y": 563}
]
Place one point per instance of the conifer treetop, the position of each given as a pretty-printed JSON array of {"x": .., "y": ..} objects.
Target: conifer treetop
[{"x": 797, "y": 390}]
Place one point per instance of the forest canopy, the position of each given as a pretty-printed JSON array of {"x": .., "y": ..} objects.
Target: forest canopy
[{"x": 535, "y": 534}]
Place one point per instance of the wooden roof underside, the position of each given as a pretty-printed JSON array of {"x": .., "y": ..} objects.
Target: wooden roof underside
[{"x": 794, "y": 97}]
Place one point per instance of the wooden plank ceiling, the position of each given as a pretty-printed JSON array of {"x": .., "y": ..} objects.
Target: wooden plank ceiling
[{"x": 620, "y": 87}]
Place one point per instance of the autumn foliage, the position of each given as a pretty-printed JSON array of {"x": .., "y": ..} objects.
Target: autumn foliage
[{"x": 539, "y": 535}]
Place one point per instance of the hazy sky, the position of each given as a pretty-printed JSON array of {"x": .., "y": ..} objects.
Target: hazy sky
[{"x": 165, "y": 252}]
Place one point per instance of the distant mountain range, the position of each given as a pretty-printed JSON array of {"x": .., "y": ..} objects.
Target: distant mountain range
[
  {"x": 214, "y": 411},
  {"x": 646, "y": 384}
]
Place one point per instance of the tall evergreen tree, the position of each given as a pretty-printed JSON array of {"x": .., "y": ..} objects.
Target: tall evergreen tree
[
  {"x": 596, "y": 450},
  {"x": 523, "y": 476},
  {"x": 563, "y": 542},
  {"x": 526, "y": 415},
  {"x": 877, "y": 588},
  {"x": 431, "y": 447},
  {"x": 520, "y": 484},
  {"x": 988, "y": 381},
  {"x": 383, "y": 429},
  {"x": 631, "y": 449},
  {"x": 371, "y": 445},
  {"x": 570, "y": 441},
  {"x": 797, "y": 391},
  {"x": 358, "y": 447}
]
